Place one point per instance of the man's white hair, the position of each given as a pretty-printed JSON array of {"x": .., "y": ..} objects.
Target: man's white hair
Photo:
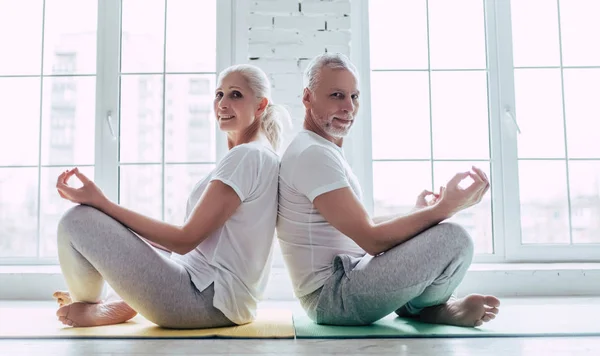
[{"x": 331, "y": 60}]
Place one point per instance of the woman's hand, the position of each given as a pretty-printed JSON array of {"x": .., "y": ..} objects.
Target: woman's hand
[
  {"x": 88, "y": 194},
  {"x": 422, "y": 200}
]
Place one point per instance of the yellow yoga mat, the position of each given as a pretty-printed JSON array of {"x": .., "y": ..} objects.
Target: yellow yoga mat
[{"x": 38, "y": 321}]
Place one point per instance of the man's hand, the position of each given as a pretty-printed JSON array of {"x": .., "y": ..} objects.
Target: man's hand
[{"x": 454, "y": 198}]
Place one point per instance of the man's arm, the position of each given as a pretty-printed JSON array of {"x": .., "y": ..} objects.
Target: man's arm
[{"x": 344, "y": 211}]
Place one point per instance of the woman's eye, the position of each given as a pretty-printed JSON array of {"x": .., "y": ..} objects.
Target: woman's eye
[
  {"x": 354, "y": 97},
  {"x": 219, "y": 95},
  {"x": 236, "y": 94}
]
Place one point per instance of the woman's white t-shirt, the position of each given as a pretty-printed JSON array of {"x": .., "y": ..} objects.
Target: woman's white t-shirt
[{"x": 237, "y": 256}]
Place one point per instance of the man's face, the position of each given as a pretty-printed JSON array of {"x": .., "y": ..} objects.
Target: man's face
[{"x": 333, "y": 103}]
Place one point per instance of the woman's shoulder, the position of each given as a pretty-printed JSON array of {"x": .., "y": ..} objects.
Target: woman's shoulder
[{"x": 253, "y": 153}]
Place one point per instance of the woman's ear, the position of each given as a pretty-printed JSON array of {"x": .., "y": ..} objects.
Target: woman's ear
[{"x": 262, "y": 106}]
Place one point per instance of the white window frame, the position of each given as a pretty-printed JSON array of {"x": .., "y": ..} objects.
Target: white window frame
[
  {"x": 108, "y": 49},
  {"x": 503, "y": 140}
]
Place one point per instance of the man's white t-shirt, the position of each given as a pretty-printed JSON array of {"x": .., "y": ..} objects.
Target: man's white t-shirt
[
  {"x": 311, "y": 166},
  {"x": 237, "y": 256}
]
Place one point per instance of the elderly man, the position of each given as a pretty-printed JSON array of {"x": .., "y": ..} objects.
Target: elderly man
[{"x": 348, "y": 268}]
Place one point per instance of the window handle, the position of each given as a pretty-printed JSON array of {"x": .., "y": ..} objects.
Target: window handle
[
  {"x": 110, "y": 126},
  {"x": 511, "y": 115}
]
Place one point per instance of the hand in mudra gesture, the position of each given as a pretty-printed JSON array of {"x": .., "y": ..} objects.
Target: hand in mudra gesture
[
  {"x": 88, "y": 194},
  {"x": 454, "y": 198}
]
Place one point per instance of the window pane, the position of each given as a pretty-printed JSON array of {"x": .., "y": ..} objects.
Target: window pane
[
  {"x": 191, "y": 35},
  {"x": 140, "y": 189},
  {"x": 142, "y": 38},
  {"x": 396, "y": 185},
  {"x": 582, "y": 105},
  {"x": 18, "y": 212},
  {"x": 70, "y": 41},
  {"x": 460, "y": 115},
  {"x": 20, "y": 120},
  {"x": 21, "y": 36},
  {"x": 400, "y": 115},
  {"x": 539, "y": 113},
  {"x": 544, "y": 206},
  {"x": 68, "y": 123},
  {"x": 457, "y": 34},
  {"x": 580, "y": 30},
  {"x": 141, "y": 118},
  {"x": 584, "y": 181},
  {"x": 535, "y": 33},
  {"x": 398, "y": 34},
  {"x": 477, "y": 220},
  {"x": 180, "y": 179},
  {"x": 53, "y": 206},
  {"x": 190, "y": 122}
]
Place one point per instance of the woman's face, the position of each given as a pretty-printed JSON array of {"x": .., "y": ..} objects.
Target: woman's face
[{"x": 236, "y": 106}]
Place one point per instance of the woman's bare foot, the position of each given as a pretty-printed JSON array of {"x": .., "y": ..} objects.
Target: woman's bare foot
[
  {"x": 85, "y": 314},
  {"x": 62, "y": 298},
  {"x": 472, "y": 310}
]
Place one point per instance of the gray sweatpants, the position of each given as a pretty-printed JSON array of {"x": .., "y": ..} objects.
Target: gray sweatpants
[
  {"x": 94, "y": 248},
  {"x": 421, "y": 272}
]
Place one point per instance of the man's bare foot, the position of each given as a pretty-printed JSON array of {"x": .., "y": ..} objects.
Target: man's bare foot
[
  {"x": 62, "y": 298},
  {"x": 86, "y": 314},
  {"x": 472, "y": 310}
]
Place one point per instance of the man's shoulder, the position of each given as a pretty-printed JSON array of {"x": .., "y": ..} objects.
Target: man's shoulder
[{"x": 304, "y": 145}]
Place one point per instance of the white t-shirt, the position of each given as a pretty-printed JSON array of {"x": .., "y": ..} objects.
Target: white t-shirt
[
  {"x": 311, "y": 166},
  {"x": 237, "y": 256}
]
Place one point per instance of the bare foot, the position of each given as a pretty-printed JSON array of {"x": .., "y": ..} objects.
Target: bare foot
[
  {"x": 62, "y": 298},
  {"x": 472, "y": 310},
  {"x": 85, "y": 314}
]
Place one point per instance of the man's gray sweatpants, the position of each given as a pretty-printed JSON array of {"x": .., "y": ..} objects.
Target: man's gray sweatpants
[
  {"x": 94, "y": 248},
  {"x": 421, "y": 272}
]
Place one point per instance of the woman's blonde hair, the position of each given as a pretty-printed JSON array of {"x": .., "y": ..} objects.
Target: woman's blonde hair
[{"x": 274, "y": 116}]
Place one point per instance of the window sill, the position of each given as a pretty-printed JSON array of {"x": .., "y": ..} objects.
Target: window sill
[{"x": 501, "y": 279}]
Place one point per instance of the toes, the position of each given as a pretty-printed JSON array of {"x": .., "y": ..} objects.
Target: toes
[
  {"x": 478, "y": 323},
  {"x": 492, "y": 310},
  {"x": 65, "y": 321},
  {"x": 492, "y": 301},
  {"x": 63, "y": 311},
  {"x": 488, "y": 316}
]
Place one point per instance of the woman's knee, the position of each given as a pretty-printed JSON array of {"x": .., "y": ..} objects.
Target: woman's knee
[{"x": 74, "y": 220}]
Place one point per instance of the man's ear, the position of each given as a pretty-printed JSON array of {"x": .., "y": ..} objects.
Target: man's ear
[{"x": 306, "y": 98}]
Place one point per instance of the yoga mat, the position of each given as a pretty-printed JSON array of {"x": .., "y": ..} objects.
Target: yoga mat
[
  {"x": 512, "y": 321},
  {"x": 30, "y": 320}
]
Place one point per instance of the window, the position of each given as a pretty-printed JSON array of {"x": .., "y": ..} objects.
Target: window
[
  {"x": 446, "y": 93},
  {"x": 88, "y": 91}
]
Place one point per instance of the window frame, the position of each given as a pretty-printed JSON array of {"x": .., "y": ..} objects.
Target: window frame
[
  {"x": 107, "y": 105},
  {"x": 503, "y": 135}
]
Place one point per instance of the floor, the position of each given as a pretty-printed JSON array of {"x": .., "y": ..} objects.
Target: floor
[{"x": 434, "y": 346}]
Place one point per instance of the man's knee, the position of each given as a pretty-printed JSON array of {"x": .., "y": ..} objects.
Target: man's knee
[{"x": 457, "y": 236}]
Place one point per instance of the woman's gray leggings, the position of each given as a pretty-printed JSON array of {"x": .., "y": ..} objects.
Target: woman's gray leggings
[
  {"x": 94, "y": 248},
  {"x": 421, "y": 272}
]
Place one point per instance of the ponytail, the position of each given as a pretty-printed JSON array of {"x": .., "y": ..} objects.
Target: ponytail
[{"x": 272, "y": 122}]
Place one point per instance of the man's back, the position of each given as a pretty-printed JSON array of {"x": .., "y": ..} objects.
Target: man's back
[{"x": 311, "y": 166}]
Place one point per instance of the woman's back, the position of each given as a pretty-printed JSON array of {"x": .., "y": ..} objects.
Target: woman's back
[{"x": 237, "y": 256}]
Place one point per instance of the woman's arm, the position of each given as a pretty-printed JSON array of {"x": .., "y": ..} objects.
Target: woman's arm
[{"x": 216, "y": 205}]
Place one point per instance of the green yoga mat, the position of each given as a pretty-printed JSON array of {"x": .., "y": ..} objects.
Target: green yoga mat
[{"x": 513, "y": 321}]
